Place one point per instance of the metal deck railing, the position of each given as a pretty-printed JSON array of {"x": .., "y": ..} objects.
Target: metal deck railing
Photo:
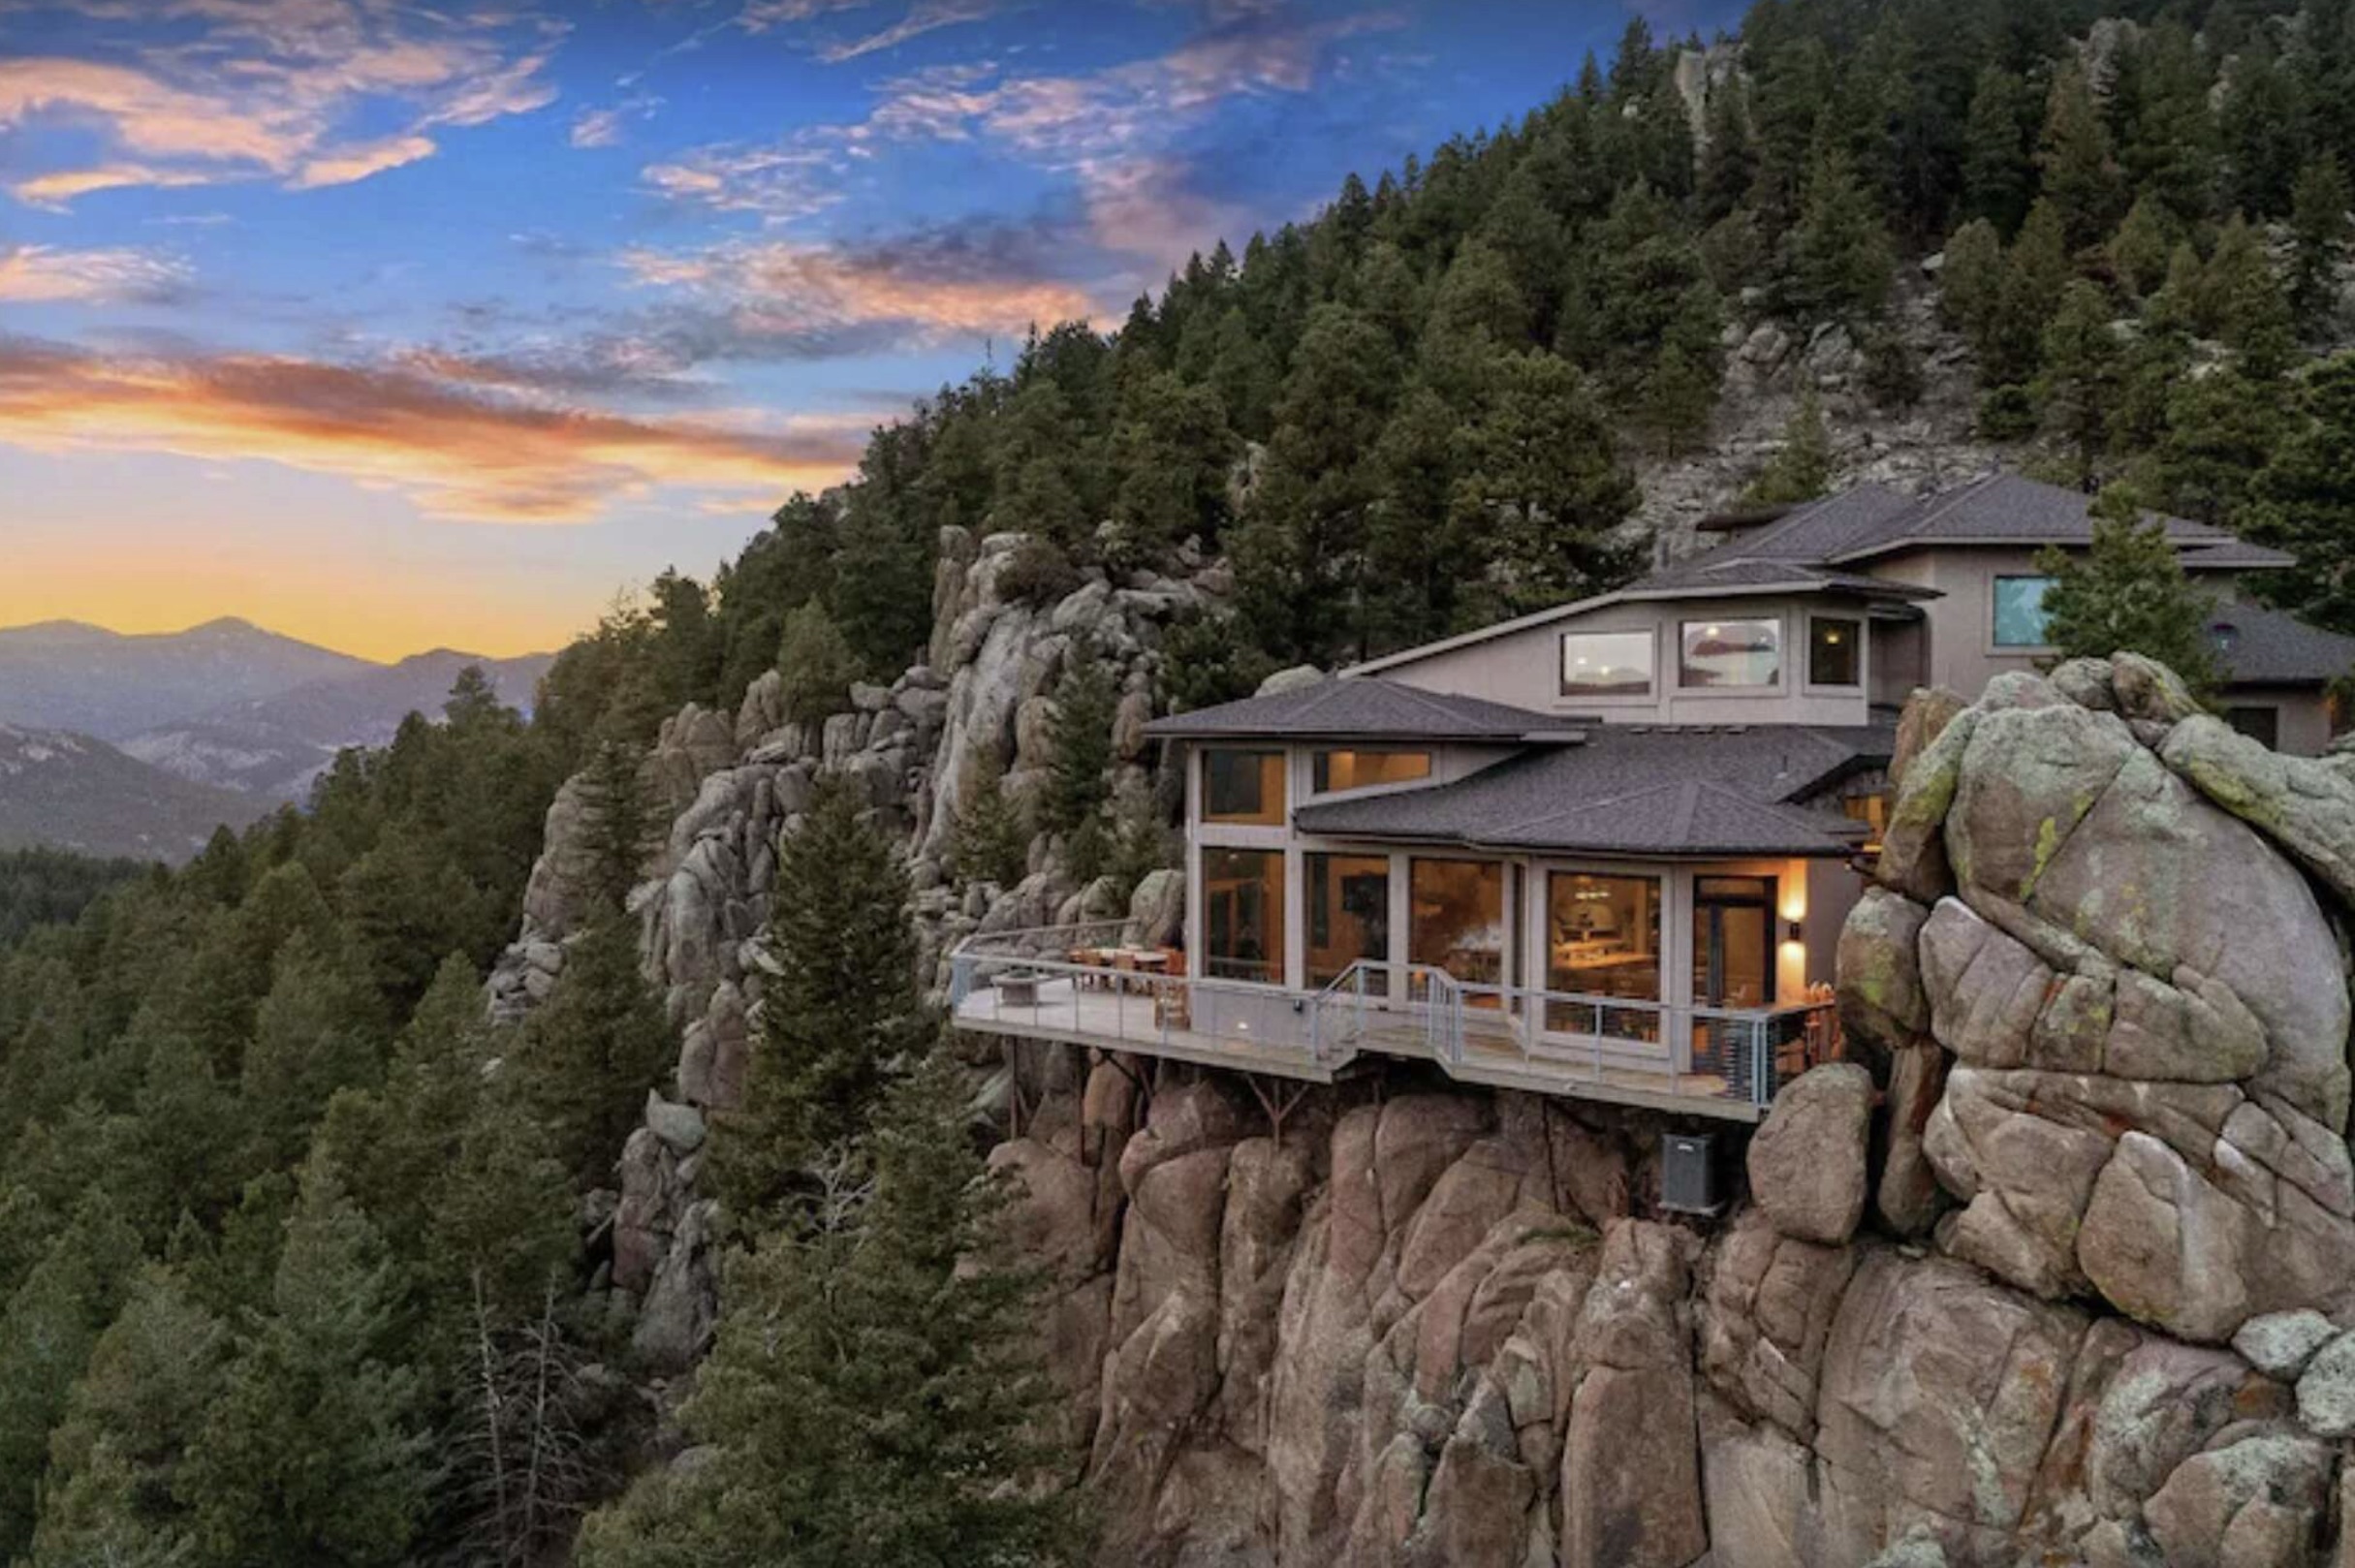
[{"x": 1025, "y": 982}]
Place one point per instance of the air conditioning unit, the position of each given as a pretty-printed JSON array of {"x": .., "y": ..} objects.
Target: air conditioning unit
[{"x": 1688, "y": 1173}]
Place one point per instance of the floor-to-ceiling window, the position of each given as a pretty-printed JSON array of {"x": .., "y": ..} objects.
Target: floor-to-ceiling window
[
  {"x": 1242, "y": 914},
  {"x": 1603, "y": 941},
  {"x": 1457, "y": 919},
  {"x": 1348, "y": 917}
]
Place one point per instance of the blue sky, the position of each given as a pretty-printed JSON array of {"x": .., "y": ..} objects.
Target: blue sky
[{"x": 396, "y": 325}]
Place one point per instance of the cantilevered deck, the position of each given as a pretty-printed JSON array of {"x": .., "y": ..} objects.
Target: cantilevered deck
[{"x": 1706, "y": 1061}]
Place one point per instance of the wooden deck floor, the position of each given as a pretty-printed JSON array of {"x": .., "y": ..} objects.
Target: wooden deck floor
[{"x": 1124, "y": 1020}]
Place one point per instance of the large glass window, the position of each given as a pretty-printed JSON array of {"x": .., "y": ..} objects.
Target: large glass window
[
  {"x": 1242, "y": 786},
  {"x": 1730, "y": 653},
  {"x": 1242, "y": 914},
  {"x": 1363, "y": 769},
  {"x": 1836, "y": 652},
  {"x": 1607, "y": 664},
  {"x": 1603, "y": 940},
  {"x": 1348, "y": 916},
  {"x": 1457, "y": 919},
  {"x": 2019, "y": 612}
]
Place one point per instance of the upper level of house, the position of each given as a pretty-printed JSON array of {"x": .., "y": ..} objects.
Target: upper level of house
[{"x": 1822, "y": 613}]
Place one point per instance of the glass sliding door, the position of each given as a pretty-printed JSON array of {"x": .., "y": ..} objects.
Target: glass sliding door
[
  {"x": 1242, "y": 914},
  {"x": 1348, "y": 918},
  {"x": 1603, "y": 941}
]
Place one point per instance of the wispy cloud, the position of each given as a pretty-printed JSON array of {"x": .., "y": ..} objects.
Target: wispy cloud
[
  {"x": 347, "y": 166},
  {"x": 1082, "y": 123},
  {"x": 604, "y": 127},
  {"x": 47, "y": 275},
  {"x": 455, "y": 454},
  {"x": 779, "y": 183},
  {"x": 268, "y": 88},
  {"x": 925, "y": 17}
]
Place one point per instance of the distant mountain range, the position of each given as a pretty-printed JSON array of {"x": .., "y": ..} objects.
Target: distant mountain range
[
  {"x": 274, "y": 747},
  {"x": 65, "y": 791},
  {"x": 139, "y": 744},
  {"x": 63, "y": 674}
]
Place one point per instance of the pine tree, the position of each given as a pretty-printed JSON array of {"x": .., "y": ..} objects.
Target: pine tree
[
  {"x": 2080, "y": 180},
  {"x": 2244, "y": 303},
  {"x": 595, "y": 1048},
  {"x": 618, "y": 830},
  {"x": 1079, "y": 733},
  {"x": 1970, "y": 283},
  {"x": 317, "y": 1031},
  {"x": 49, "y": 1329},
  {"x": 839, "y": 1009},
  {"x": 2303, "y": 500},
  {"x": 990, "y": 842},
  {"x": 2128, "y": 593},
  {"x": 1999, "y": 174},
  {"x": 815, "y": 666},
  {"x": 1836, "y": 262},
  {"x": 2078, "y": 386},
  {"x": 2318, "y": 232},
  {"x": 1801, "y": 469},
  {"x": 1729, "y": 154},
  {"x": 1542, "y": 479},
  {"x": 315, "y": 1454},
  {"x": 874, "y": 1395},
  {"x": 127, "y": 1425},
  {"x": 2144, "y": 242}
]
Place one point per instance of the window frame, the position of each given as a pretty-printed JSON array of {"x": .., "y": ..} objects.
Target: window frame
[
  {"x": 1650, "y": 693},
  {"x": 1864, "y": 674},
  {"x": 1994, "y": 612},
  {"x": 1781, "y": 680}
]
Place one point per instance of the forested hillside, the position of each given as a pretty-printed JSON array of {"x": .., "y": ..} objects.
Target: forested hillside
[{"x": 291, "y": 1240}]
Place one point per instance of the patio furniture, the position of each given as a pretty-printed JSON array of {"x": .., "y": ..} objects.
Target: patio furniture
[{"x": 1017, "y": 988}]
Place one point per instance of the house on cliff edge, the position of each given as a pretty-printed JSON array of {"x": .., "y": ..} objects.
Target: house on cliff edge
[{"x": 1604, "y": 850}]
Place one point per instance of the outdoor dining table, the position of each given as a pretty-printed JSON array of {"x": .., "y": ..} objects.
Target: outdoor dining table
[{"x": 1114, "y": 961}]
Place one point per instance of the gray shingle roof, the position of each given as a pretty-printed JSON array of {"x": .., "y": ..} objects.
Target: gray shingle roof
[
  {"x": 1634, "y": 789},
  {"x": 2267, "y": 648},
  {"x": 1357, "y": 708},
  {"x": 2005, "y": 508}
]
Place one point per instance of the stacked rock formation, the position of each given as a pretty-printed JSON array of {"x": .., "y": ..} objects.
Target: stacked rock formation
[{"x": 730, "y": 788}]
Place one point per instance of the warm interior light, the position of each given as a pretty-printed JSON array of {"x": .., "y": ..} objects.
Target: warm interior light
[{"x": 1832, "y": 636}]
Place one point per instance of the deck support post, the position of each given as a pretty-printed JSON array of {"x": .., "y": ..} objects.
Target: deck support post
[{"x": 1276, "y": 1103}]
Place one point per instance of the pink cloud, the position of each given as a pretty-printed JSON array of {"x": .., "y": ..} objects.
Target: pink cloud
[
  {"x": 49, "y": 274},
  {"x": 455, "y": 453}
]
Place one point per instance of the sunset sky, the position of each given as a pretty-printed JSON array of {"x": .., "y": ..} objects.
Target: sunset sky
[{"x": 394, "y": 325}]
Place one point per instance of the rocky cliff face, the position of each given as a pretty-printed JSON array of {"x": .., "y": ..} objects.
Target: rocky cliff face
[{"x": 731, "y": 787}]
